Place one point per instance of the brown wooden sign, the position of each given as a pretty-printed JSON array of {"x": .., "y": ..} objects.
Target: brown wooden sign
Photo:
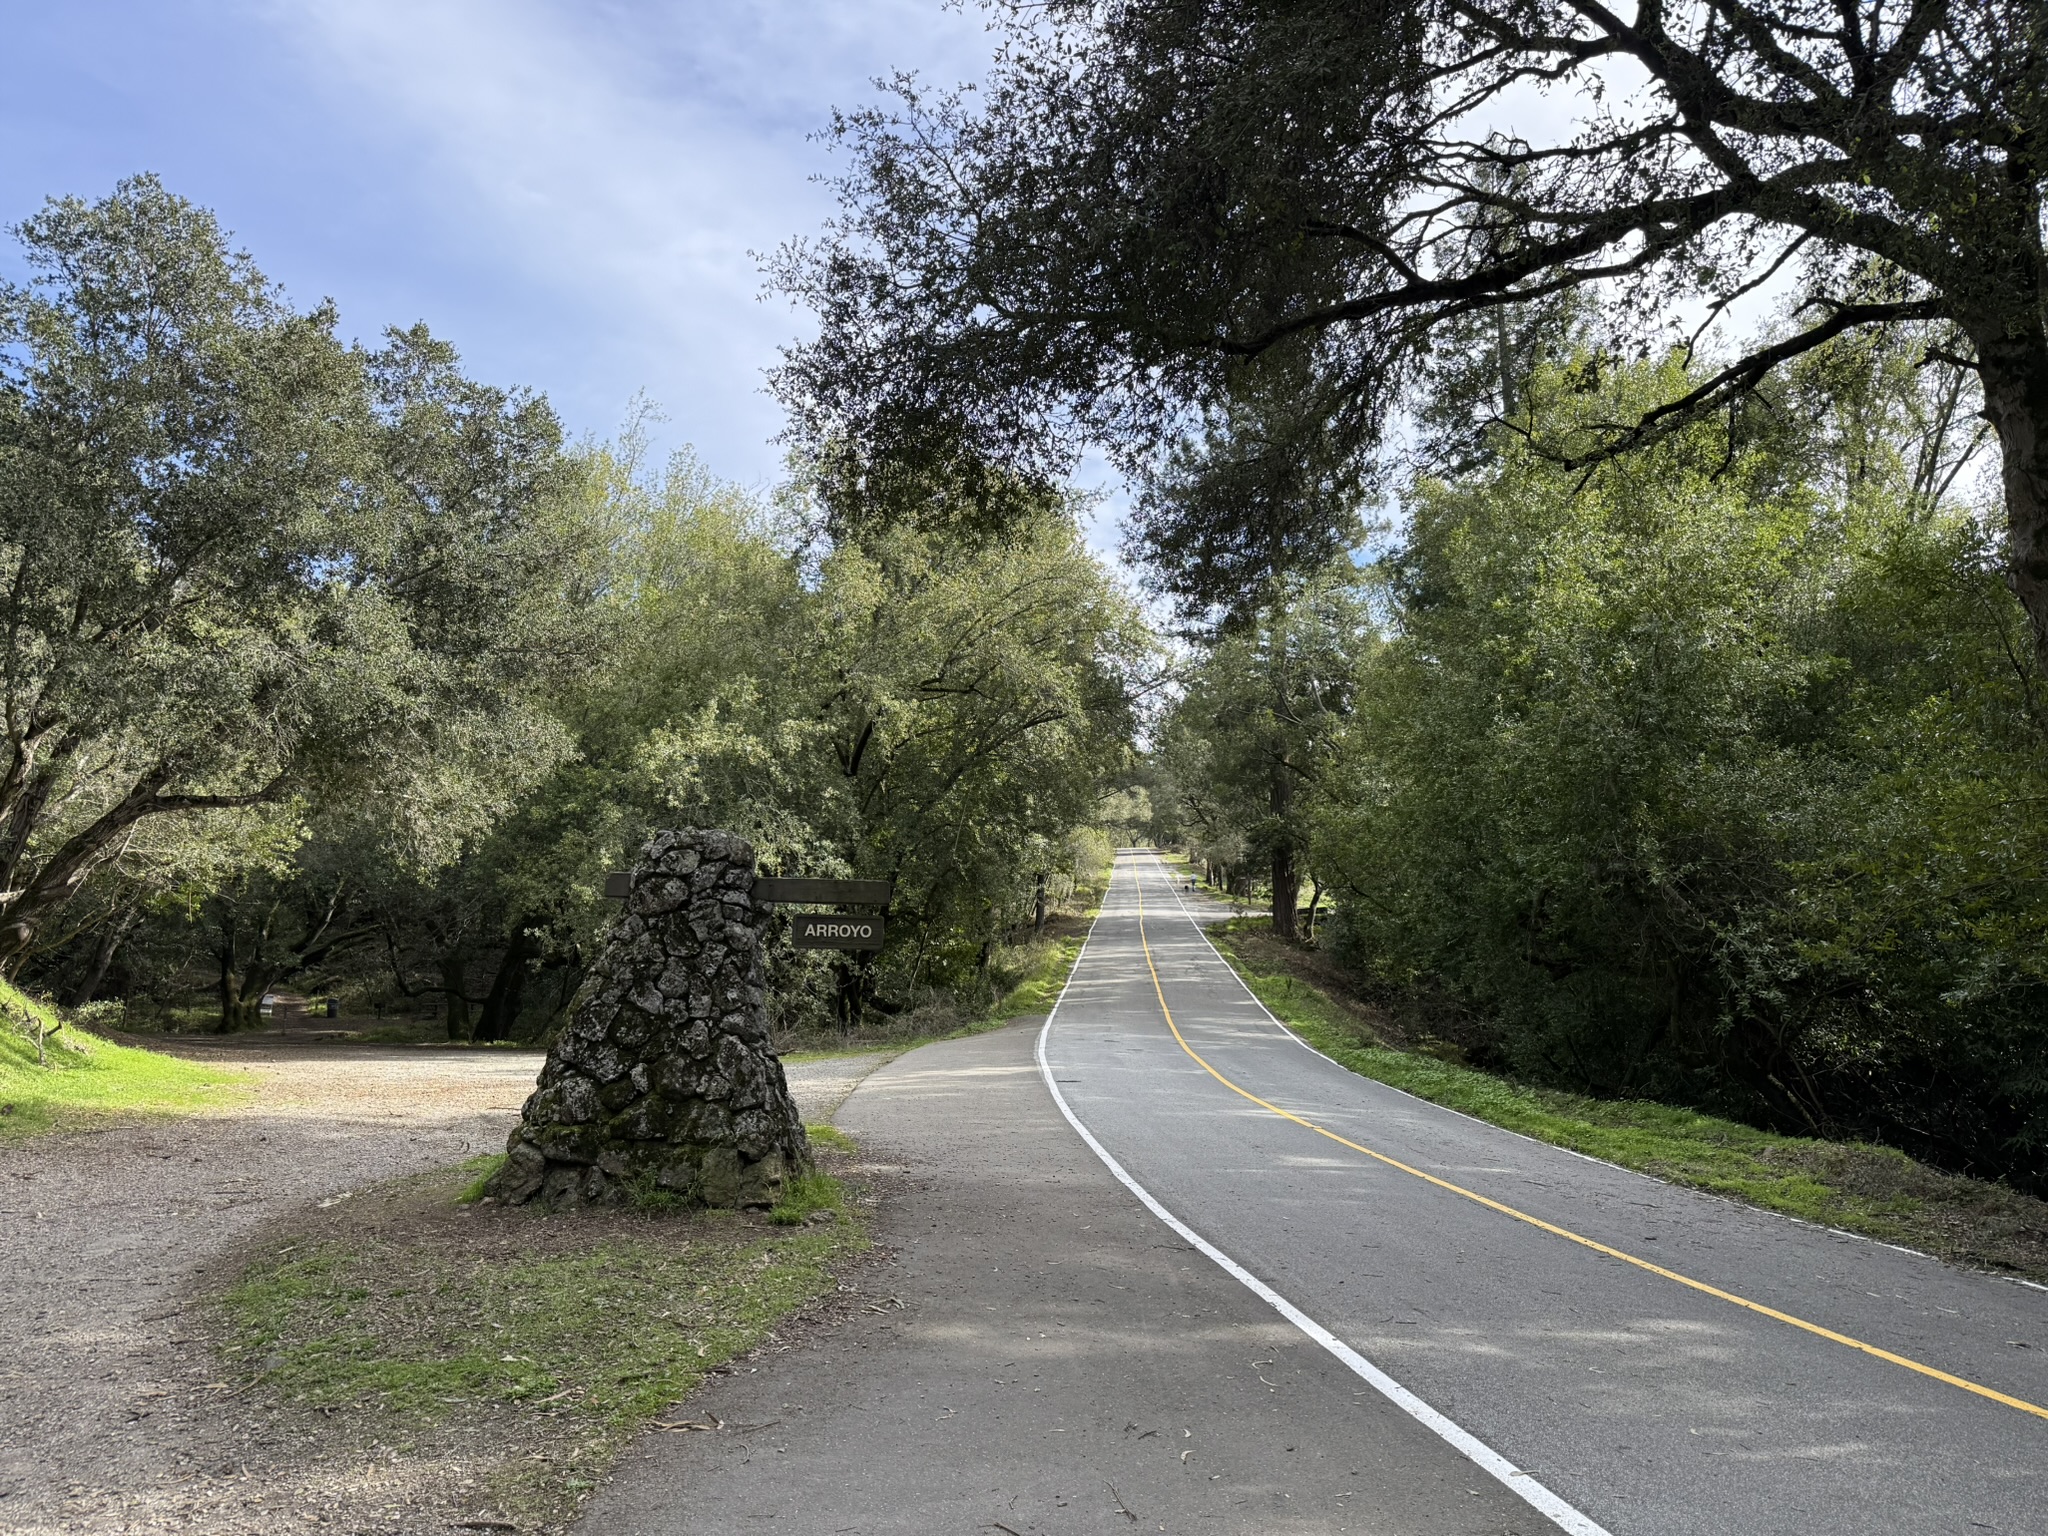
[
  {"x": 824, "y": 893},
  {"x": 834, "y": 930}
]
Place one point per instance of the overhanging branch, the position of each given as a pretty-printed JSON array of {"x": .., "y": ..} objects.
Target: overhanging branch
[{"x": 1743, "y": 376}]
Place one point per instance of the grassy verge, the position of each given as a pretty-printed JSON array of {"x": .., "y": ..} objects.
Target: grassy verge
[
  {"x": 1045, "y": 974},
  {"x": 1875, "y": 1191},
  {"x": 504, "y": 1356},
  {"x": 828, "y": 1138},
  {"x": 808, "y": 1198},
  {"x": 83, "y": 1078},
  {"x": 1050, "y": 960}
]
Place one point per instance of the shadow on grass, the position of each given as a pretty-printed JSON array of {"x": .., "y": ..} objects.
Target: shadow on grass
[{"x": 511, "y": 1350}]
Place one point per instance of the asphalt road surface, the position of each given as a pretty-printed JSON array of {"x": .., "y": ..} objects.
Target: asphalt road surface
[
  {"x": 1121, "y": 1296},
  {"x": 1038, "y": 1356},
  {"x": 1624, "y": 1356}
]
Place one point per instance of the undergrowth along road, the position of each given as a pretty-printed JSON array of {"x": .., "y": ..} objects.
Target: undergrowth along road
[
  {"x": 1873, "y": 1191},
  {"x": 1028, "y": 987}
]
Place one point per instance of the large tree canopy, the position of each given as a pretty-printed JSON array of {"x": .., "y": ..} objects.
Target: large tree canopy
[
  {"x": 243, "y": 563},
  {"x": 1154, "y": 199}
]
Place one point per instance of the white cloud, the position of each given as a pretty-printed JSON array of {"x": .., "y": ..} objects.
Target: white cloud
[{"x": 623, "y": 161}]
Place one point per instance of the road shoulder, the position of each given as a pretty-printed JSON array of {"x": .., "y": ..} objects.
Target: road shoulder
[{"x": 1035, "y": 1354}]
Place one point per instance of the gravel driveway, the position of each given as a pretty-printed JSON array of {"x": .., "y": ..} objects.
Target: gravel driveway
[{"x": 110, "y": 1419}]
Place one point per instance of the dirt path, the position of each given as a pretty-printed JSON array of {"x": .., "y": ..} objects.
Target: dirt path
[{"x": 109, "y": 1417}]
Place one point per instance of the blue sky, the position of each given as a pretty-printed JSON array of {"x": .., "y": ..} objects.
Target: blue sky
[{"x": 569, "y": 190}]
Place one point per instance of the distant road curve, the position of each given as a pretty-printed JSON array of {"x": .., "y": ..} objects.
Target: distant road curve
[{"x": 1625, "y": 1356}]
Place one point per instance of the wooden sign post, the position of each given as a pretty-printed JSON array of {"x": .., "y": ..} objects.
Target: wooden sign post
[
  {"x": 823, "y": 893},
  {"x": 829, "y": 930},
  {"x": 812, "y": 930}
]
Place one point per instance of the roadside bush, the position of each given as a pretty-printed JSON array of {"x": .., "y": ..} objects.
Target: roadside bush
[{"x": 1705, "y": 783}]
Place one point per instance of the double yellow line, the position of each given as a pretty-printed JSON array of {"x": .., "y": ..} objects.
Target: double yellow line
[{"x": 1565, "y": 1232}]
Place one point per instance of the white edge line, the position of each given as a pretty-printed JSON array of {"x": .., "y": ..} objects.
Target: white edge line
[{"x": 1470, "y": 1446}]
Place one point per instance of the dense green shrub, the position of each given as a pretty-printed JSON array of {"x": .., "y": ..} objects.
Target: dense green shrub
[{"x": 1700, "y": 776}]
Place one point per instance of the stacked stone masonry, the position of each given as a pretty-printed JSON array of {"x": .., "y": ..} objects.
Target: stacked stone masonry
[{"x": 663, "y": 1082}]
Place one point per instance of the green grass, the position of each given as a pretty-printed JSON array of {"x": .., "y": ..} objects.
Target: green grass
[
  {"x": 829, "y": 1137},
  {"x": 806, "y": 1195},
  {"x": 1039, "y": 987},
  {"x": 1876, "y": 1191},
  {"x": 481, "y": 1171},
  {"x": 827, "y": 1053},
  {"x": 84, "y": 1078},
  {"x": 627, "y": 1328},
  {"x": 501, "y": 1357},
  {"x": 1048, "y": 964},
  {"x": 616, "y": 1333}
]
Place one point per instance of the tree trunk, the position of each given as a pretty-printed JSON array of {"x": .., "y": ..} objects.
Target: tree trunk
[
  {"x": 1286, "y": 892},
  {"x": 846, "y": 996},
  {"x": 241, "y": 985},
  {"x": 1038, "y": 906},
  {"x": 1286, "y": 872},
  {"x": 1315, "y": 902},
  {"x": 65, "y": 870},
  {"x": 2015, "y": 374},
  {"x": 230, "y": 985},
  {"x": 508, "y": 988},
  {"x": 102, "y": 958},
  {"x": 27, "y": 802},
  {"x": 59, "y": 876},
  {"x": 455, "y": 993},
  {"x": 240, "y": 1010}
]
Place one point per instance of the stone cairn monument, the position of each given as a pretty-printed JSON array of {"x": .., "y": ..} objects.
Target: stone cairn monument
[{"x": 663, "y": 1081}]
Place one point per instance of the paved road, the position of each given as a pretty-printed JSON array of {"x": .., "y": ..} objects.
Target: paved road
[
  {"x": 1042, "y": 1357},
  {"x": 1645, "y": 1405}
]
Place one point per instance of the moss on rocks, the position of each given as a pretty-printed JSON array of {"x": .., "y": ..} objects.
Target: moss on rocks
[{"x": 664, "y": 1078}]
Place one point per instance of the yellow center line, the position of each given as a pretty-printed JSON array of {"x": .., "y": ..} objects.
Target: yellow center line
[{"x": 1565, "y": 1232}]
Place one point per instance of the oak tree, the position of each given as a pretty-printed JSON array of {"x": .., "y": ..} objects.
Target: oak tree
[
  {"x": 243, "y": 562},
  {"x": 1150, "y": 196}
]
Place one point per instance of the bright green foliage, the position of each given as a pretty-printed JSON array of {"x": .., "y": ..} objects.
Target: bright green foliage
[
  {"x": 805, "y": 1196},
  {"x": 1710, "y": 777},
  {"x": 328, "y": 666},
  {"x": 922, "y": 706},
  {"x": 830, "y": 1137},
  {"x": 1246, "y": 746},
  {"x": 250, "y": 570},
  {"x": 1040, "y": 985},
  {"x": 54, "y": 1075}
]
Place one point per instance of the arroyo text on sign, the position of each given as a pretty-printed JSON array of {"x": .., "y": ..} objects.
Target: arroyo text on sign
[{"x": 824, "y": 930}]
